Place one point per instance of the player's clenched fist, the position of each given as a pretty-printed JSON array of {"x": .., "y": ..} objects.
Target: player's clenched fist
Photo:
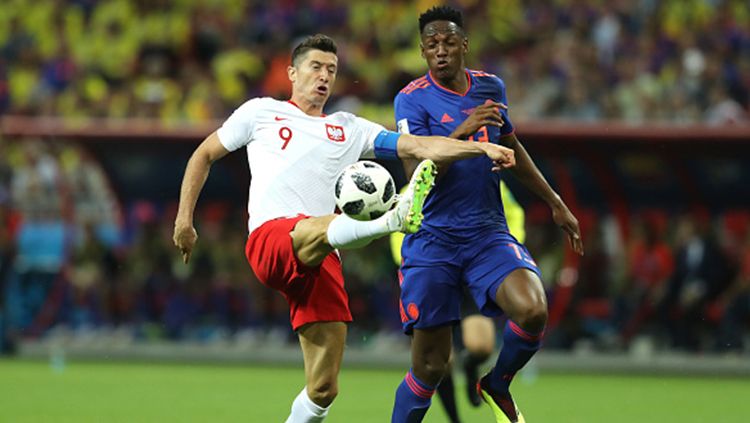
[
  {"x": 483, "y": 115},
  {"x": 184, "y": 238},
  {"x": 502, "y": 157}
]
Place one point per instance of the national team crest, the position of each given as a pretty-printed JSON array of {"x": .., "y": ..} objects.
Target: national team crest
[{"x": 335, "y": 133}]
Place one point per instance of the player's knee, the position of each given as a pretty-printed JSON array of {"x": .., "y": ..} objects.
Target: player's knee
[
  {"x": 323, "y": 393},
  {"x": 310, "y": 242},
  {"x": 432, "y": 371},
  {"x": 533, "y": 317}
]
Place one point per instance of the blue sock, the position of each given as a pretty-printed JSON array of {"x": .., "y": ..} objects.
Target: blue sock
[
  {"x": 413, "y": 398},
  {"x": 518, "y": 348}
]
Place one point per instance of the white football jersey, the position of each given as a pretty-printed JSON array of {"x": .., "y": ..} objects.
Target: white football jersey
[{"x": 294, "y": 158}]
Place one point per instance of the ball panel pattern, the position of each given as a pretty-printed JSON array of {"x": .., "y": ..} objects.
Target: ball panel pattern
[
  {"x": 364, "y": 190},
  {"x": 363, "y": 182}
]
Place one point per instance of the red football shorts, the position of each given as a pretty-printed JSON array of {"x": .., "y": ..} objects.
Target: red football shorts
[{"x": 314, "y": 294}]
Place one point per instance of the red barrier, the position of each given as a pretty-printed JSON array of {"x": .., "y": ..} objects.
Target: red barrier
[{"x": 558, "y": 130}]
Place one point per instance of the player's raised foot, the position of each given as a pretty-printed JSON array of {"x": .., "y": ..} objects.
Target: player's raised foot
[
  {"x": 501, "y": 403},
  {"x": 407, "y": 216}
]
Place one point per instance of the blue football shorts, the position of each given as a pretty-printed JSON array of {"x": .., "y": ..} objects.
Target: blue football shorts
[{"x": 433, "y": 270}]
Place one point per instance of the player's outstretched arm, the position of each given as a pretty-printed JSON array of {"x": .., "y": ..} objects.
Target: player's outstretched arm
[
  {"x": 446, "y": 150},
  {"x": 195, "y": 177},
  {"x": 527, "y": 172}
]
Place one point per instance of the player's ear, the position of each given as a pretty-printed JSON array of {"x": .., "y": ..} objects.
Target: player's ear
[
  {"x": 466, "y": 45},
  {"x": 421, "y": 50},
  {"x": 291, "y": 72}
]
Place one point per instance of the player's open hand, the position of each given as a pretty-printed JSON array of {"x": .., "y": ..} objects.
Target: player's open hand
[
  {"x": 488, "y": 114},
  {"x": 565, "y": 219},
  {"x": 185, "y": 238},
  {"x": 502, "y": 157}
]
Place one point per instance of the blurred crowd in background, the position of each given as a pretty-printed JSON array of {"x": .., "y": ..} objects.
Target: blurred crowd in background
[
  {"x": 677, "y": 61},
  {"x": 72, "y": 257}
]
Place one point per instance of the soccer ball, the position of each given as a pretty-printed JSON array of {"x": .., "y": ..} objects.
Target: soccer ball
[{"x": 365, "y": 190}]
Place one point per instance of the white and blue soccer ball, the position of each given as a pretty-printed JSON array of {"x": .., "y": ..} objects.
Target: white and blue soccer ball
[{"x": 365, "y": 190}]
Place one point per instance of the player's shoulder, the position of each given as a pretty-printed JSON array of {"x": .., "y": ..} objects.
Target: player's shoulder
[
  {"x": 342, "y": 117},
  {"x": 482, "y": 74},
  {"x": 259, "y": 103},
  {"x": 268, "y": 103},
  {"x": 416, "y": 87},
  {"x": 486, "y": 77},
  {"x": 350, "y": 120},
  {"x": 414, "y": 96}
]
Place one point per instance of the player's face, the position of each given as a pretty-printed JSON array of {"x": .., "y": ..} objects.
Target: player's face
[
  {"x": 444, "y": 46},
  {"x": 313, "y": 77}
]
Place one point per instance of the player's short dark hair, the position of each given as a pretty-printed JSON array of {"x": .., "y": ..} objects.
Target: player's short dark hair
[
  {"x": 313, "y": 42},
  {"x": 441, "y": 13}
]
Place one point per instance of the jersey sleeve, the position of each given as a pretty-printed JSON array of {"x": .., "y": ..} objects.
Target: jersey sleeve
[
  {"x": 410, "y": 117},
  {"x": 507, "y": 128},
  {"x": 237, "y": 131},
  {"x": 365, "y": 134}
]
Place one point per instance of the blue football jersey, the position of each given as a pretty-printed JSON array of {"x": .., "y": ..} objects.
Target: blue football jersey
[{"x": 466, "y": 198}]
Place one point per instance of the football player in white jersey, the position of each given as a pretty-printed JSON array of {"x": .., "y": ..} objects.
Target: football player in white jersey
[{"x": 295, "y": 152}]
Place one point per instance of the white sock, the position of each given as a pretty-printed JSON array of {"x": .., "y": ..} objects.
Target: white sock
[
  {"x": 347, "y": 233},
  {"x": 306, "y": 411}
]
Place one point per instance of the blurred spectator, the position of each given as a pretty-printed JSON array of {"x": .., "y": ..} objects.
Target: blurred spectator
[
  {"x": 723, "y": 109},
  {"x": 92, "y": 266},
  {"x": 700, "y": 275},
  {"x": 42, "y": 235},
  {"x": 735, "y": 305},
  {"x": 651, "y": 264},
  {"x": 591, "y": 308},
  {"x": 6, "y": 247}
]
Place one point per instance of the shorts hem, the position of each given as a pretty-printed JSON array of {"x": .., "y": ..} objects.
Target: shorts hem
[
  {"x": 410, "y": 328},
  {"x": 296, "y": 326}
]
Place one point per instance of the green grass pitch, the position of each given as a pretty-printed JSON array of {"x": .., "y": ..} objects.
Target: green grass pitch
[{"x": 140, "y": 392}]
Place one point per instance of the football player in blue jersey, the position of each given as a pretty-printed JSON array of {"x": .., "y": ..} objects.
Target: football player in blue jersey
[
  {"x": 474, "y": 338},
  {"x": 464, "y": 237}
]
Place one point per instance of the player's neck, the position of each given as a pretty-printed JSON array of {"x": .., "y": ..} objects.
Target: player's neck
[
  {"x": 458, "y": 82},
  {"x": 308, "y": 107}
]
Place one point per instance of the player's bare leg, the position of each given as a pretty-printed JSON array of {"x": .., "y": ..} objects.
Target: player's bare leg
[
  {"x": 322, "y": 349},
  {"x": 521, "y": 296},
  {"x": 478, "y": 334},
  {"x": 315, "y": 237},
  {"x": 310, "y": 241},
  {"x": 430, "y": 358},
  {"x": 431, "y": 353}
]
